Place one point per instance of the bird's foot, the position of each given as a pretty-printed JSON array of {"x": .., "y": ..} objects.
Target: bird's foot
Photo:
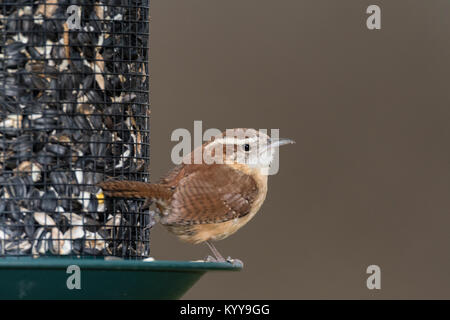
[
  {"x": 235, "y": 262},
  {"x": 212, "y": 259}
]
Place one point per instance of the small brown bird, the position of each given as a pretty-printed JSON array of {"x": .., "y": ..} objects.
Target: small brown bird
[{"x": 201, "y": 202}]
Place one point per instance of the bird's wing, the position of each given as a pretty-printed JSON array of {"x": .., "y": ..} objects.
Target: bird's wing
[
  {"x": 211, "y": 194},
  {"x": 173, "y": 176}
]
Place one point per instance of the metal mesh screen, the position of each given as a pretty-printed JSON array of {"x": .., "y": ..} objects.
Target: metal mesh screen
[{"x": 73, "y": 112}]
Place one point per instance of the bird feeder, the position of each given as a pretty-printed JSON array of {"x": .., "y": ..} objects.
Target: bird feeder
[{"x": 74, "y": 111}]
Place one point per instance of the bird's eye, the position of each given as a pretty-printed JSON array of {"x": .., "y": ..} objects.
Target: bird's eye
[{"x": 246, "y": 147}]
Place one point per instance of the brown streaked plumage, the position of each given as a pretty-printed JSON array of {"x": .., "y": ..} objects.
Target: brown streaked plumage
[{"x": 209, "y": 202}]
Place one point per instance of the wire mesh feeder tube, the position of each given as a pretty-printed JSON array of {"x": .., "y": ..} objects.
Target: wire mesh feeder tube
[{"x": 73, "y": 112}]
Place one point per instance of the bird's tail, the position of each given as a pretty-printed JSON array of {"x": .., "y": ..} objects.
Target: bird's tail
[{"x": 135, "y": 189}]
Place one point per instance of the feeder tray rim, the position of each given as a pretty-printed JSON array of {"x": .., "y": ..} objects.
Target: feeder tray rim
[{"x": 101, "y": 264}]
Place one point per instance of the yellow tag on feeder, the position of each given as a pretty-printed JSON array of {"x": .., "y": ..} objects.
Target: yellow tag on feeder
[{"x": 101, "y": 197}]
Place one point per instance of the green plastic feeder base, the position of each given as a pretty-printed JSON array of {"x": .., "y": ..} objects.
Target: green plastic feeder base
[{"x": 46, "y": 278}]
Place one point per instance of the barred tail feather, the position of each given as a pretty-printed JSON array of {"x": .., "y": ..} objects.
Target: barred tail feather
[{"x": 135, "y": 189}]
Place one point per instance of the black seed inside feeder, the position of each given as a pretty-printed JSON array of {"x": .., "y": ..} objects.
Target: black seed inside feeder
[{"x": 74, "y": 111}]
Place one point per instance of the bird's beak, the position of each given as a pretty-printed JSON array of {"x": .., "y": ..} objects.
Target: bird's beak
[{"x": 275, "y": 143}]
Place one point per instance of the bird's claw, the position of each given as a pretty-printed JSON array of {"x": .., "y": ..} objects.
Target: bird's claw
[
  {"x": 212, "y": 259},
  {"x": 209, "y": 259},
  {"x": 235, "y": 262}
]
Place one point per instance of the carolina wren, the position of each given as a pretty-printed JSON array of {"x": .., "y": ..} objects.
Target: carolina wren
[{"x": 202, "y": 202}]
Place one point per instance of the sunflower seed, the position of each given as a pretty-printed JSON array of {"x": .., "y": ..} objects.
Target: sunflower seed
[{"x": 44, "y": 219}]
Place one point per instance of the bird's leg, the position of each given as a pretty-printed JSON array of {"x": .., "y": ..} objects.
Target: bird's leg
[
  {"x": 220, "y": 258},
  {"x": 216, "y": 253}
]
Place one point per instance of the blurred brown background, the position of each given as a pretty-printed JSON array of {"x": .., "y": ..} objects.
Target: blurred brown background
[{"x": 368, "y": 181}]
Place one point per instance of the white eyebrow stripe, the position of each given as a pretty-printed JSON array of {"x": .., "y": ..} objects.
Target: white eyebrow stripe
[{"x": 233, "y": 140}]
